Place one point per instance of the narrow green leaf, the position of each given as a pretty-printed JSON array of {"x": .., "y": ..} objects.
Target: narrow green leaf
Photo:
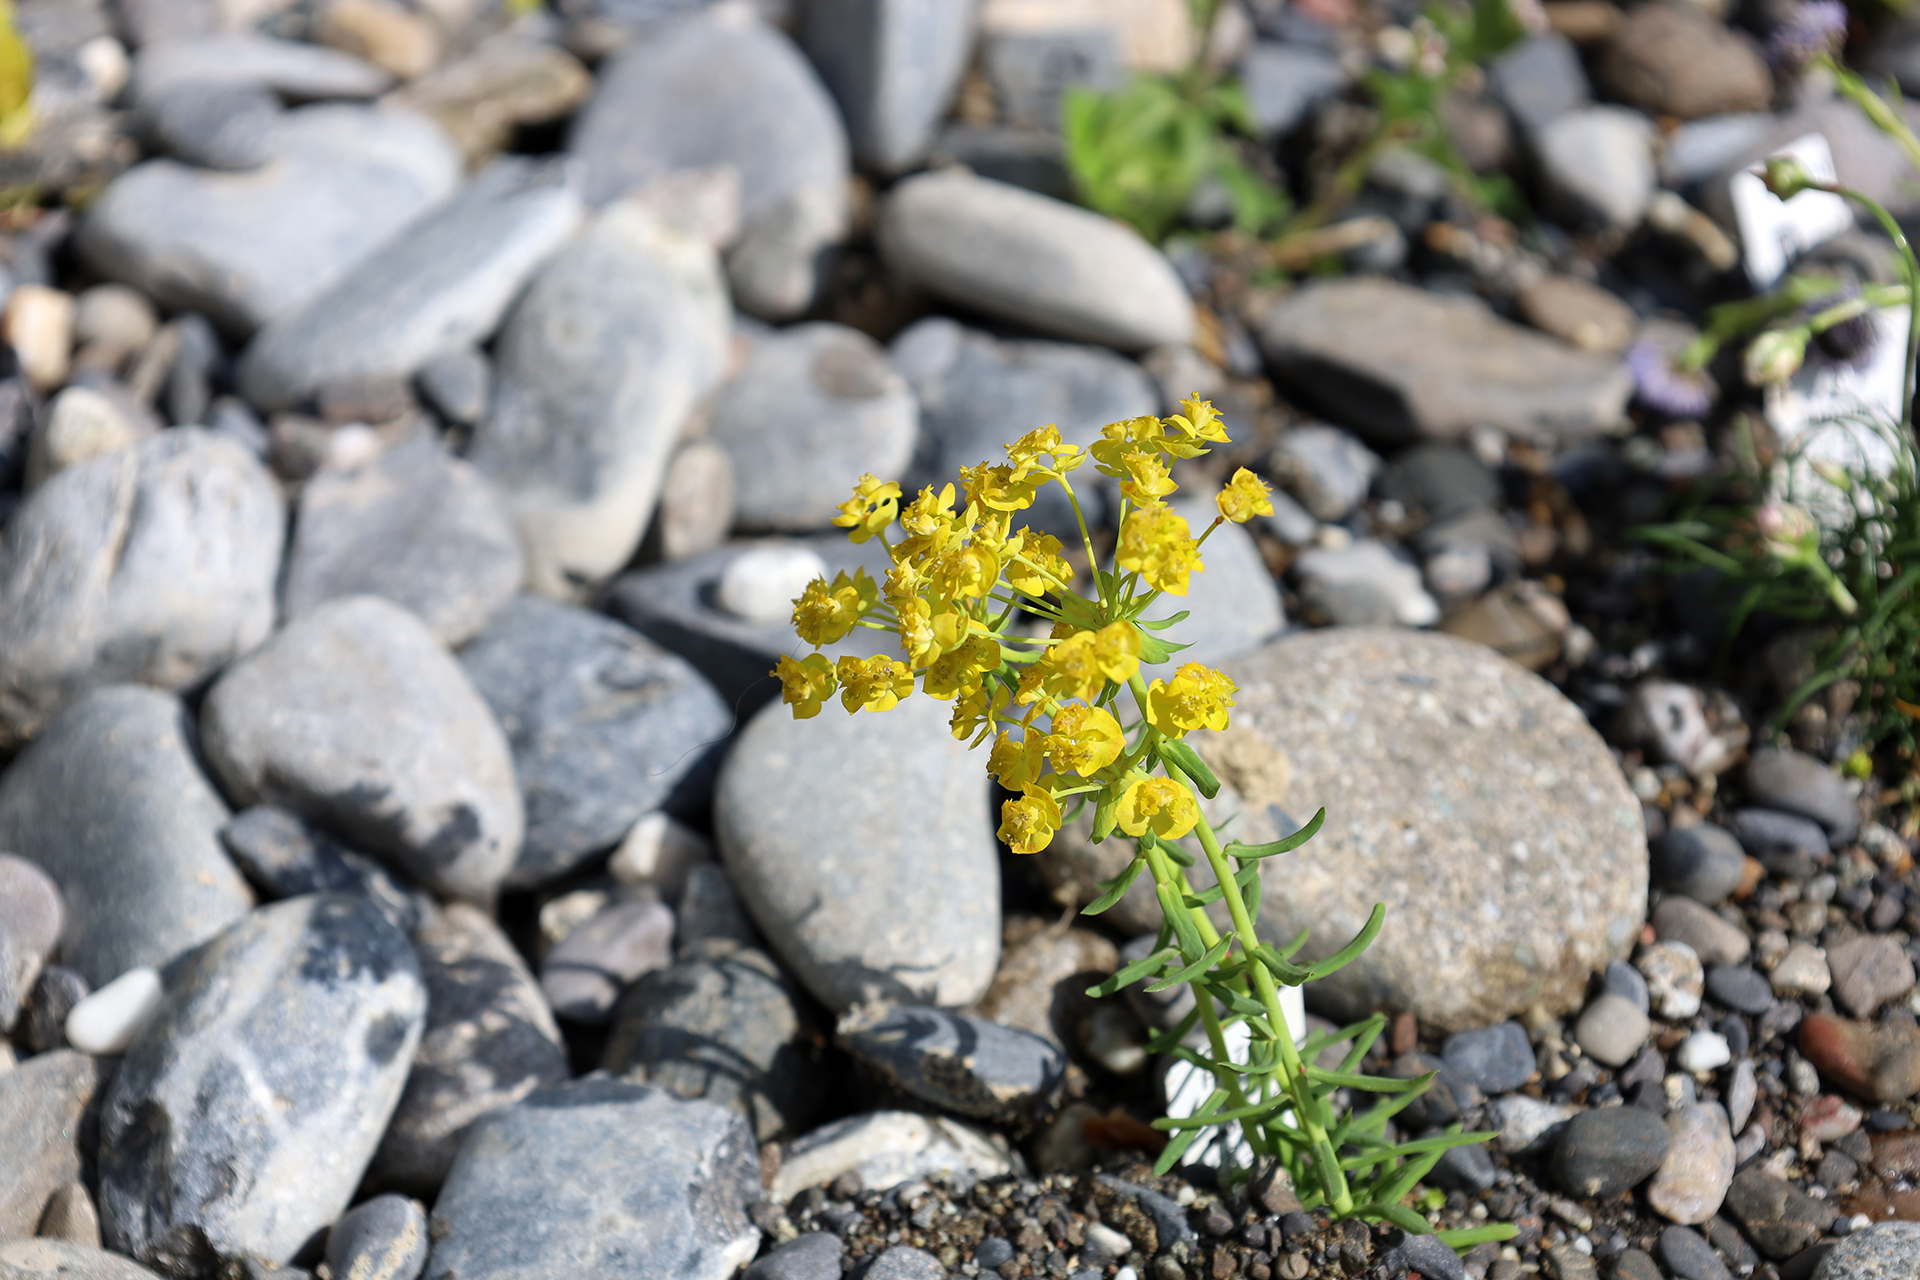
[
  {"x": 1192, "y": 765},
  {"x": 1409, "y": 1220},
  {"x": 1287, "y": 845},
  {"x": 1291, "y": 975},
  {"x": 1168, "y": 1041},
  {"x": 1163, "y": 623},
  {"x": 1188, "y": 973},
  {"x": 1116, "y": 888},
  {"x": 1256, "y": 1111},
  {"x": 1106, "y": 814},
  {"x": 1175, "y": 852},
  {"x": 1183, "y": 927},
  {"x": 1351, "y": 952},
  {"x": 1126, "y": 977},
  {"x": 1467, "y": 1237},
  {"x": 1367, "y": 1084},
  {"x": 1170, "y": 1156},
  {"x": 1206, "y": 896}
]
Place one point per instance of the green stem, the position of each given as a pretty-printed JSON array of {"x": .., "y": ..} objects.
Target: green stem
[{"x": 1912, "y": 269}]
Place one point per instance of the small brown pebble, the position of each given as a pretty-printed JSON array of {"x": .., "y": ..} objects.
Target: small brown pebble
[
  {"x": 1405, "y": 1036},
  {"x": 1293, "y": 1266}
]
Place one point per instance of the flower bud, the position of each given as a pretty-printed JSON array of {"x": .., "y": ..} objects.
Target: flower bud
[
  {"x": 1775, "y": 356},
  {"x": 1789, "y": 530},
  {"x": 1785, "y": 176}
]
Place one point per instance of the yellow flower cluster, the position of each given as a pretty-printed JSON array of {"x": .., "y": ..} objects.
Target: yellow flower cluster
[{"x": 961, "y": 577}]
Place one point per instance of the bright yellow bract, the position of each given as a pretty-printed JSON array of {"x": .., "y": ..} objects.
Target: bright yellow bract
[{"x": 1161, "y": 804}]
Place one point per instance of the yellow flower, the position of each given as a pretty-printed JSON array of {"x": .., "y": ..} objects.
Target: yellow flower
[
  {"x": 1198, "y": 698},
  {"x": 804, "y": 683},
  {"x": 877, "y": 684},
  {"x": 1084, "y": 739},
  {"x": 824, "y": 614},
  {"x": 1015, "y": 762},
  {"x": 1026, "y": 452},
  {"x": 1036, "y": 566},
  {"x": 1244, "y": 497},
  {"x": 1155, "y": 544},
  {"x": 963, "y": 572},
  {"x": 973, "y": 715},
  {"x": 870, "y": 509},
  {"x": 1160, "y": 803},
  {"x": 998, "y": 487},
  {"x": 1193, "y": 430},
  {"x": 1116, "y": 650},
  {"x": 1028, "y": 824},
  {"x": 1073, "y": 667},
  {"x": 959, "y": 670},
  {"x": 917, "y": 635},
  {"x": 930, "y": 513},
  {"x": 1117, "y": 439},
  {"x": 1147, "y": 479}
]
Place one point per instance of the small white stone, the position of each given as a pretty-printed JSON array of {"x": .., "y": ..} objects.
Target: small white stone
[
  {"x": 660, "y": 852},
  {"x": 1126, "y": 1273},
  {"x": 1704, "y": 1051},
  {"x": 113, "y": 1017},
  {"x": 1106, "y": 1243},
  {"x": 760, "y": 585}
]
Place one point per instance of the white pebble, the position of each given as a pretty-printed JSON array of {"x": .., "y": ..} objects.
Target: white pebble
[
  {"x": 659, "y": 851},
  {"x": 113, "y": 1017},
  {"x": 1704, "y": 1051},
  {"x": 760, "y": 585},
  {"x": 1126, "y": 1273}
]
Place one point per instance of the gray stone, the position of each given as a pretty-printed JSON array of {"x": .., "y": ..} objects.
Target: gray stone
[
  {"x": 63, "y": 1260},
  {"x": 1613, "y": 1149},
  {"x": 490, "y": 1040},
  {"x": 242, "y": 1119},
  {"x": 384, "y": 1238},
  {"x": 59, "y": 989},
  {"x": 1692, "y": 1180},
  {"x": 815, "y": 1255},
  {"x": 1233, "y": 602},
  {"x": 1621, "y": 979},
  {"x": 709, "y": 908},
  {"x": 1881, "y": 1251},
  {"x": 1496, "y": 1059},
  {"x": 31, "y": 919},
  {"x": 1780, "y": 1218},
  {"x": 291, "y": 68},
  {"x": 893, "y": 66},
  {"x": 965, "y": 1065},
  {"x": 1512, "y": 900},
  {"x": 815, "y": 407},
  {"x": 1782, "y": 841},
  {"x": 1540, "y": 79},
  {"x": 977, "y": 393},
  {"x": 718, "y": 87},
  {"x": 284, "y": 857},
  {"x": 84, "y": 422},
  {"x": 666, "y": 1184},
  {"x": 1868, "y": 970},
  {"x": 1705, "y": 862},
  {"x": 599, "y": 365},
  {"x": 1440, "y": 479},
  {"x": 1397, "y": 364},
  {"x": 214, "y": 126},
  {"x": 1029, "y": 158},
  {"x": 1031, "y": 70},
  {"x": 604, "y": 727},
  {"x": 724, "y": 1024},
  {"x": 904, "y": 1262},
  {"x": 154, "y": 564},
  {"x": 46, "y": 1106},
  {"x": 1611, "y": 1029},
  {"x": 247, "y": 247},
  {"x": 1714, "y": 940},
  {"x": 587, "y": 970},
  {"x": 1328, "y": 469},
  {"x": 1798, "y": 783},
  {"x": 864, "y": 850},
  {"x": 414, "y": 525},
  {"x": 355, "y": 717},
  {"x": 1596, "y": 164},
  {"x": 441, "y": 283},
  {"x": 70, "y": 1216},
  {"x": 1671, "y": 61},
  {"x": 1528, "y": 1126},
  {"x": 1285, "y": 83},
  {"x": 110, "y": 802},
  {"x": 886, "y": 1148},
  {"x": 1367, "y": 583},
  {"x": 1690, "y": 1257},
  {"x": 1060, "y": 270},
  {"x": 458, "y": 385},
  {"x": 1469, "y": 1169},
  {"x": 1739, "y": 988},
  {"x": 507, "y": 81}
]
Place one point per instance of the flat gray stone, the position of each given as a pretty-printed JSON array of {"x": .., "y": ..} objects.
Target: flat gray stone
[
  {"x": 292, "y": 68},
  {"x": 246, "y": 247},
  {"x": 724, "y": 1024},
  {"x": 585, "y": 972},
  {"x": 815, "y": 407},
  {"x": 111, "y": 803},
  {"x": 1539, "y": 79},
  {"x": 1596, "y": 164},
  {"x": 1468, "y": 795},
  {"x": 443, "y": 282},
  {"x": 962, "y": 1064},
  {"x": 1603, "y": 1152},
  {"x": 863, "y": 848},
  {"x": 665, "y": 1182},
  {"x": 1868, "y": 970},
  {"x": 1397, "y": 364},
  {"x": 355, "y": 717},
  {"x": 604, "y": 725},
  {"x": 1800, "y": 784},
  {"x": 243, "y": 1118},
  {"x": 1051, "y": 266},
  {"x": 598, "y": 367},
  {"x": 893, "y": 66},
  {"x": 1705, "y": 862},
  {"x": 214, "y": 126},
  {"x": 416, "y": 526},
  {"x": 154, "y": 564},
  {"x": 42, "y": 1102},
  {"x": 1285, "y": 82},
  {"x": 284, "y": 857},
  {"x": 384, "y": 1238},
  {"x": 489, "y": 1041},
  {"x": 815, "y": 1255},
  {"x": 63, "y": 1260}
]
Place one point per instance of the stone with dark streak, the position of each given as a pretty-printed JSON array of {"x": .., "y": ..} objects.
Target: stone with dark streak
[{"x": 962, "y": 1064}]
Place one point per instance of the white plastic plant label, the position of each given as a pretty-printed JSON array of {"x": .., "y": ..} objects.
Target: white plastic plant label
[
  {"x": 1818, "y": 413},
  {"x": 1773, "y": 232},
  {"x": 1189, "y": 1087}
]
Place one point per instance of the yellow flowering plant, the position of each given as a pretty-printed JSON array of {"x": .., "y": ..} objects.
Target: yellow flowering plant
[{"x": 990, "y": 618}]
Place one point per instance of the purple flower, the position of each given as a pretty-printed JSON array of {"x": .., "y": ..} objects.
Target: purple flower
[
  {"x": 1816, "y": 27},
  {"x": 1658, "y": 385}
]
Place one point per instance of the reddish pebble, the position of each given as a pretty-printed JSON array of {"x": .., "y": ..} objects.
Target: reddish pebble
[
  {"x": 1828, "y": 1118},
  {"x": 1405, "y": 1036},
  {"x": 1880, "y": 1061}
]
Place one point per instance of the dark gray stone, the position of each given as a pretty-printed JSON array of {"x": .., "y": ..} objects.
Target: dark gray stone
[
  {"x": 1058, "y": 269},
  {"x": 1784, "y": 843},
  {"x": 490, "y": 1040},
  {"x": 384, "y": 1238},
  {"x": 893, "y": 66},
  {"x": 458, "y": 385},
  {"x": 31, "y": 919},
  {"x": 666, "y": 1184},
  {"x": 838, "y": 830},
  {"x": 1539, "y": 79},
  {"x": 1498, "y": 1059},
  {"x": 284, "y": 857},
  {"x": 1705, "y": 862},
  {"x": 294, "y": 69},
  {"x": 46, "y": 1119},
  {"x": 959, "y": 1063},
  {"x": 110, "y": 802},
  {"x": 815, "y": 406},
  {"x": 443, "y": 282},
  {"x": 44, "y": 1028},
  {"x": 720, "y": 87},
  {"x": 247, "y": 247},
  {"x": 154, "y": 564},
  {"x": 1284, "y": 83},
  {"x": 1604, "y": 1152},
  {"x": 1739, "y": 988},
  {"x": 1689, "y": 1256},
  {"x": 355, "y": 717},
  {"x": 1396, "y": 365},
  {"x": 587, "y": 970},
  {"x": 1623, "y": 980},
  {"x": 599, "y": 365},
  {"x": 1029, "y": 158},
  {"x": 813, "y": 1256},
  {"x": 215, "y": 126},
  {"x": 1430, "y": 1257},
  {"x": 1714, "y": 940},
  {"x": 1469, "y": 1169},
  {"x": 415, "y": 525},
  {"x": 1439, "y": 479},
  {"x": 604, "y": 727},
  {"x": 1328, "y": 469},
  {"x": 724, "y": 1024},
  {"x": 242, "y": 1119},
  {"x": 1798, "y": 783},
  {"x": 1779, "y": 1218},
  {"x": 709, "y": 908}
]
